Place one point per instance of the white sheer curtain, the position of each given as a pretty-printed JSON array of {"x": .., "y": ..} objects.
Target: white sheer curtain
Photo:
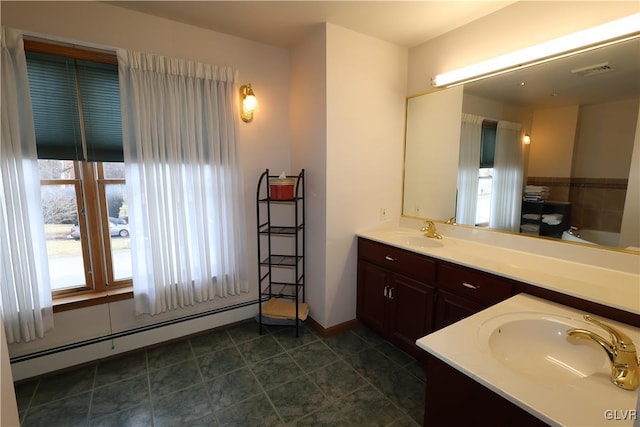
[
  {"x": 506, "y": 194},
  {"x": 25, "y": 290},
  {"x": 468, "y": 167},
  {"x": 184, "y": 188}
]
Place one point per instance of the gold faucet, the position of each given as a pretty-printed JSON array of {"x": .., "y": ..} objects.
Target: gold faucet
[
  {"x": 625, "y": 368},
  {"x": 429, "y": 230}
]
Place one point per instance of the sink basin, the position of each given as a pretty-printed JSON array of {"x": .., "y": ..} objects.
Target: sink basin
[
  {"x": 537, "y": 345},
  {"x": 413, "y": 238},
  {"x": 418, "y": 241}
]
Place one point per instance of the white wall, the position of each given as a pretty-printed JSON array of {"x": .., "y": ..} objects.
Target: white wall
[
  {"x": 308, "y": 93},
  {"x": 347, "y": 132},
  {"x": 263, "y": 143},
  {"x": 496, "y": 110},
  {"x": 8, "y": 404},
  {"x": 432, "y": 143},
  {"x": 366, "y": 86},
  {"x": 520, "y": 25}
]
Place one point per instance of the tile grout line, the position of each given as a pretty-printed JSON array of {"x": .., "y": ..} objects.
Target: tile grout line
[
  {"x": 147, "y": 371},
  {"x": 204, "y": 383},
  {"x": 93, "y": 387},
  {"x": 273, "y": 406}
]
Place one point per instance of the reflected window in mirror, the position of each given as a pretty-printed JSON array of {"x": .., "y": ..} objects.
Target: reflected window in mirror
[{"x": 485, "y": 175}]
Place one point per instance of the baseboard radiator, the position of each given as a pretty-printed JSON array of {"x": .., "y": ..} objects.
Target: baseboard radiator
[{"x": 78, "y": 353}]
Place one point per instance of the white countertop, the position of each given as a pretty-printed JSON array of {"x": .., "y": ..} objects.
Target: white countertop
[
  {"x": 605, "y": 286},
  {"x": 585, "y": 402}
]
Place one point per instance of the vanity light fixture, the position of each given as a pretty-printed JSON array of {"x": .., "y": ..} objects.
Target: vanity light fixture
[
  {"x": 526, "y": 139},
  {"x": 613, "y": 32},
  {"x": 248, "y": 103}
]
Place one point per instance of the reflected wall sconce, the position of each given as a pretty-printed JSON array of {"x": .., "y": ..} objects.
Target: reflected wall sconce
[
  {"x": 613, "y": 32},
  {"x": 526, "y": 139},
  {"x": 248, "y": 103}
]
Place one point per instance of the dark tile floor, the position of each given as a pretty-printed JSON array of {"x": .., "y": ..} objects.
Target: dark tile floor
[{"x": 235, "y": 377}]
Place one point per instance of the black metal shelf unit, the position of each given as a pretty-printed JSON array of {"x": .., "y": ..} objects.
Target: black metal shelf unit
[{"x": 287, "y": 239}]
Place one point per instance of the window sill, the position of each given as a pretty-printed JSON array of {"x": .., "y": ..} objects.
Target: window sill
[{"x": 90, "y": 299}]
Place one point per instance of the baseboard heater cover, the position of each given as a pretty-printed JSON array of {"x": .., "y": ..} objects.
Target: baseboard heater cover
[{"x": 122, "y": 335}]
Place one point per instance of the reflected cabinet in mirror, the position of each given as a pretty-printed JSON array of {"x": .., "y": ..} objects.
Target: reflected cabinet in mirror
[{"x": 551, "y": 150}]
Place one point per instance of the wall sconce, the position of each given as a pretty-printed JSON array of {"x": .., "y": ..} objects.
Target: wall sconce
[
  {"x": 248, "y": 103},
  {"x": 617, "y": 31},
  {"x": 526, "y": 139}
]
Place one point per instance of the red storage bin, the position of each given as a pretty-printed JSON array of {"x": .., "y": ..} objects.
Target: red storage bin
[{"x": 281, "y": 188}]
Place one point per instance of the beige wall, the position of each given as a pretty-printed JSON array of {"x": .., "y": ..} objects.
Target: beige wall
[
  {"x": 605, "y": 138},
  {"x": 553, "y": 133},
  {"x": 630, "y": 230}
]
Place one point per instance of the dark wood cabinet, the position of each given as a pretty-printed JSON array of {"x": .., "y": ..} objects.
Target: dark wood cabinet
[
  {"x": 463, "y": 291},
  {"x": 453, "y": 399},
  {"x": 404, "y": 296},
  {"x": 410, "y": 315},
  {"x": 372, "y": 298},
  {"x": 450, "y": 308},
  {"x": 396, "y": 294}
]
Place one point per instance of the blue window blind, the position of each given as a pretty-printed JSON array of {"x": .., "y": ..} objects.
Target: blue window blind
[
  {"x": 63, "y": 87},
  {"x": 488, "y": 144}
]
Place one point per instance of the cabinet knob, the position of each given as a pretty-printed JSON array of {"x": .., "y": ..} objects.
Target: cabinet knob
[
  {"x": 470, "y": 286},
  {"x": 390, "y": 293},
  {"x": 388, "y": 258},
  {"x": 386, "y": 292}
]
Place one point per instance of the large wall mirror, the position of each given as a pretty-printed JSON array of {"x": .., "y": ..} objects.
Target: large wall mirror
[{"x": 535, "y": 151}]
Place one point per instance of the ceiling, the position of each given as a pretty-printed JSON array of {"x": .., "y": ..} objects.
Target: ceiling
[{"x": 282, "y": 23}]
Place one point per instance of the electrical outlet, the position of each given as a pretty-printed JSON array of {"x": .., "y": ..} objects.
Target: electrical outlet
[{"x": 383, "y": 214}]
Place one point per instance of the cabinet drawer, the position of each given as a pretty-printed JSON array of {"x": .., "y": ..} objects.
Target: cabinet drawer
[
  {"x": 473, "y": 284},
  {"x": 398, "y": 260}
]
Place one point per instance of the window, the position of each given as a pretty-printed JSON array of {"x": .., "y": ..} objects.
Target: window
[
  {"x": 485, "y": 175},
  {"x": 76, "y": 107}
]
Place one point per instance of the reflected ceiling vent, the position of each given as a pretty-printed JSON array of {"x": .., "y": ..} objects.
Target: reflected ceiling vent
[{"x": 592, "y": 70}]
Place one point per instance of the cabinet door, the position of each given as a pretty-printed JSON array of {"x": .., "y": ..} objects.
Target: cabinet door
[
  {"x": 454, "y": 400},
  {"x": 372, "y": 300},
  {"x": 450, "y": 308},
  {"x": 410, "y": 312}
]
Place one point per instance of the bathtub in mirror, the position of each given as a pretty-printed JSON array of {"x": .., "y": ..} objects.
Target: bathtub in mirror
[{"x": 581, "y": 114}]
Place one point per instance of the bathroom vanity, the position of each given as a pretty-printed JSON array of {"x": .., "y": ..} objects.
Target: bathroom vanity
[{"x": 410, "y": 287}]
